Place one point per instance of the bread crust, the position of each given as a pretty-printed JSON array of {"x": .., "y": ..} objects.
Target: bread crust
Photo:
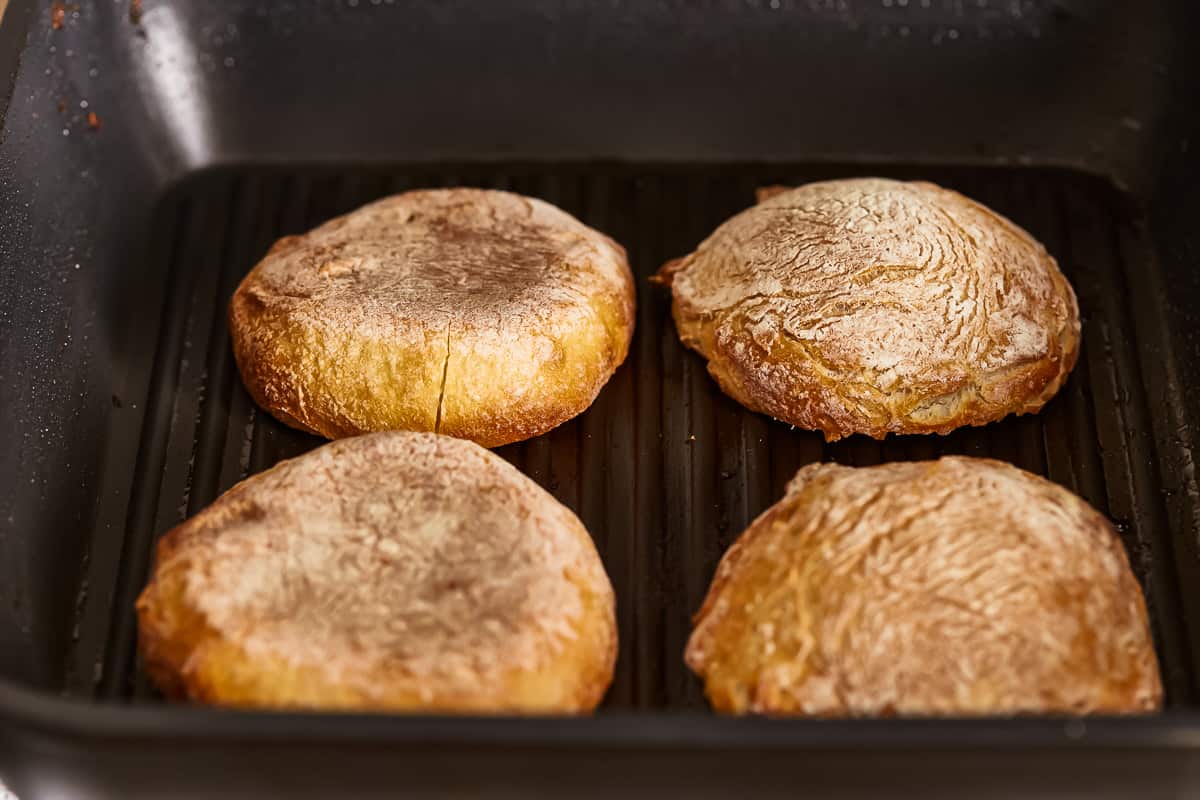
[
  {"x": 957, "y": 586},
  {"x": 399, "y": 571},
  {"x": 876, "y": 306},
  {"x": 479, "y": 314}
]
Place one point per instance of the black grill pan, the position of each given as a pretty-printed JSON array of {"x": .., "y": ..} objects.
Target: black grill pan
[{"x": 223, "y": 126}]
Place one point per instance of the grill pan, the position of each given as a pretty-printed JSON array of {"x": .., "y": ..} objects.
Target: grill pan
[{"x": 222, "y": 126}]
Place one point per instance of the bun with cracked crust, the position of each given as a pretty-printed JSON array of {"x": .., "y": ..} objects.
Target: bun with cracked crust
[
  {"x": 876, "y": 306},
  {"x": 479, "y": 314},
  {"x": 958, "y": 586},
  {"x": 393, "y": 571}
]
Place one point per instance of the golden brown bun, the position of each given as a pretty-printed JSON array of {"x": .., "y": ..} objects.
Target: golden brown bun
[
  {"x": 479, "y": 314},
  {"x": 400, "y": 571},
  {"x": 875, "y": 306},
  {"x": 959, "y": 586}
]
